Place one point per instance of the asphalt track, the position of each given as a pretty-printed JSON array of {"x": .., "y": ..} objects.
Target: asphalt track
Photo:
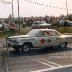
[{"x": 40, "y": 60}]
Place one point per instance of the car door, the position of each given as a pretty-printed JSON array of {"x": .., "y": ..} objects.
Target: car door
[
  {"x": 39, "y": 41},
  {"x": 50, "y": 38},
  {"x": 54, "y": 39},
  {"x": 42, "y": 39}
]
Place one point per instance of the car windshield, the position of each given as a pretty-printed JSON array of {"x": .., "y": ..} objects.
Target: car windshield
[{"x": 33, "y": 32}]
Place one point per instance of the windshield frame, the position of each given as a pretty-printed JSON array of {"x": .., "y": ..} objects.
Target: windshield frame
[{"x": 33, "y": 32}]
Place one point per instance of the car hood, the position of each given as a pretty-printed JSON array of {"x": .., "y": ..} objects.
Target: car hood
[{"x": 20, "y": 36}]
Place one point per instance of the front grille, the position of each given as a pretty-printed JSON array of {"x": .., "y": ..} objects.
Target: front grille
[{"x": 13, "y": 41}]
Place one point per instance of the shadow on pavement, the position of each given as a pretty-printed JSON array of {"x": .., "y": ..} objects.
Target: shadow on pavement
[{"x": 38, "y": 51}]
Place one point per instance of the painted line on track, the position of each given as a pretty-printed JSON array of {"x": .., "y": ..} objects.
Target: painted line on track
[
  {"x": 45, "y": 62},
  {"x": 52, "y": 63},
  {"x": 48, "y": 69}
]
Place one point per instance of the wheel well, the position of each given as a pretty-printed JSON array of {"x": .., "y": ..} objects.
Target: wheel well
[
  {"x": 28, "y": 43},
  {"x": 65, "y": 43}
]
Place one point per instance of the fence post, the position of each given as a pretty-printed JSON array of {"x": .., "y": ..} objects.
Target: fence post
[
  {"x": 4, "y": 61},
  {"x": 7, "y": 56}
]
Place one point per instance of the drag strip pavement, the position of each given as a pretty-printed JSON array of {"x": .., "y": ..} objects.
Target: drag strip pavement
[
  {"x": 67, "y": 68},
  {"x": 46, "y": 62}
]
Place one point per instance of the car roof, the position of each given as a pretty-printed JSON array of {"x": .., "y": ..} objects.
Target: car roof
[{"x": 45, "y": 29}]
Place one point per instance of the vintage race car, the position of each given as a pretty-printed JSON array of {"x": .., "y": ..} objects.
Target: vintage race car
[{"x": 39, "y": 38}]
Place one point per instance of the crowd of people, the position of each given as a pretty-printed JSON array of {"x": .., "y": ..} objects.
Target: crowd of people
[{"x": 28, "y": 21}]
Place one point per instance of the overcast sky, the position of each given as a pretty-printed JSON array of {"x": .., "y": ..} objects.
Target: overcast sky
[{"x": 28, "y": 9}]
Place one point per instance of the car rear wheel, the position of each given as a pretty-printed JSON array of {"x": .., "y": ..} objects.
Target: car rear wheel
[{"x": 63, "y": 45}]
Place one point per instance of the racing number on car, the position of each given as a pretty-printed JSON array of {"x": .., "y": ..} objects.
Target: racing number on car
[{"x": 42, "y": 41}]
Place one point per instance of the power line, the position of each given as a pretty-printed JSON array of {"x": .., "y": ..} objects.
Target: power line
[
  {"x": 66, "y": 7},
  {"x": 6, "y": 2},
  {"x": 42, "y": 4},
  {"x": 18, "y": 13}
]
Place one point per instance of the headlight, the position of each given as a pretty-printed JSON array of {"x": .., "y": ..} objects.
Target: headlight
[{"x": 13, "y": 40}]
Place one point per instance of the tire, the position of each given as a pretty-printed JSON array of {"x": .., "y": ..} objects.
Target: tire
[
  {"x": 63, "y": 45},
  {"x": 26, "y": 48}
]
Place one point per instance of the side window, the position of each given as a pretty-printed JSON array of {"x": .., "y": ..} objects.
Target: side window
[
  {"x": 54, "y": 33},
  {"x": 44, "y": 33},
  {"x": 47, "y": 33},
  {"x": 41, "y": 33}
]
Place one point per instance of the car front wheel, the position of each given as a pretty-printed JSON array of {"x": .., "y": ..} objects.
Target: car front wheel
[
  {"x": 16, "y": 48},
  {"x": 63, "y": 45},
  {"x": 26, "y": 48}
]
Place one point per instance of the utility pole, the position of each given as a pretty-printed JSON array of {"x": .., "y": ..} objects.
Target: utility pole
[
  {"x": 12, "y": 12},
  {"x": 67, "y": 7},
  {"x": 18, "y": 14}
]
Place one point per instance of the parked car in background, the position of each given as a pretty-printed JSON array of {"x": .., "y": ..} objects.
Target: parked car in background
[
  {"x": 1, "y": 27},
  {"x": 39, "y": 38},
  {"x": 61, "y": 23},
  {"x": 65, "y": 23},
  {"x": 40, "y": 24},
  {"x": 69, "y": 23}
]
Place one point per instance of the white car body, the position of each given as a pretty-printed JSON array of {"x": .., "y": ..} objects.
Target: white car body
[{"x": 40, "y": 38}]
